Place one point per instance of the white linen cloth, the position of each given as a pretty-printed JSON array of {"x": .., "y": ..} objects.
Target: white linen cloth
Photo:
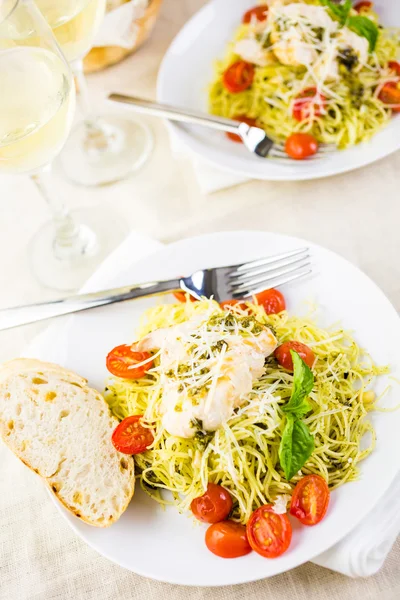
[
  {"x": 209, "y": 178},
  {"x": 361, "y": 554}
]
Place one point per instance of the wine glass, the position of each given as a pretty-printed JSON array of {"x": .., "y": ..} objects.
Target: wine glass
[
  {"x": 37, "y": 103},
  {"x": 99, "y": 150}
]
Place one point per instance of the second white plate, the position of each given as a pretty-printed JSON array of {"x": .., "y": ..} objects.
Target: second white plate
[{"x": 187, "y": 70}]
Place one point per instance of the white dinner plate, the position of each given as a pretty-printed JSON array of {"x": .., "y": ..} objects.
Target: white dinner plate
[
  {"x": 187, "y": 70},
  {"x": 164, "y": 545}
]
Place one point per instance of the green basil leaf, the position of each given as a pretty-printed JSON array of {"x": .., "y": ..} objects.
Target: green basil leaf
[
  {"x": 340, "y": 11},
  {"x": 303, "y": 383},
  {"x": 365, "y": 28},
  {"x": 296, "y": 447}
]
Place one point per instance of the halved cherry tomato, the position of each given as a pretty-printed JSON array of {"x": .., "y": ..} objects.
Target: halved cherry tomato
[
  {"x": 301, "y": 145},
  {"x": 269, "y": 534},
  {"x": 243, "y": 119},
  {"x": 390, "y": 94},
  {"x": 227, "y": 539},
  {"x": 213, "y": 506},
  {"x": 183, "y": 296},
  {"x": 272, "y": 300},
  {"x": 309, "y": 103},
  {"x": 395, "y": 66},
  {"x": 130, "y": 437},
  {"x": 363, "y": 6},
  {"x": 238, "y": 77},
  {"x": 310, "y": 500},
  {"x": 258, "y": 13},
  {"x": 284, "y": 358},
  {"x": 121, "y": 360}
]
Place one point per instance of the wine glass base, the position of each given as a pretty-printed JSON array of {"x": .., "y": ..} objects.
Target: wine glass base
[
  {"x": 110, "y": 149},
  {"x": 100, "y": 232}
]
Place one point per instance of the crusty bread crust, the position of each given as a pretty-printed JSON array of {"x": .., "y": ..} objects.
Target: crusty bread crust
[{"x": 61, "y": 429}]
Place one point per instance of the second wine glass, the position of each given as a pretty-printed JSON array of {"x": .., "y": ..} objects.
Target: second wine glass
[
  {"x": 37, "y": 102},
  {"x": 101, "y": 149}
]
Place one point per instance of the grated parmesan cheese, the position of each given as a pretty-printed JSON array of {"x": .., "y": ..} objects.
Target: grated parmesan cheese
[
  {"x": 280, "y": 505},
  {"x": 304, "y": 35},
  {"x": 207, "y": 369}
]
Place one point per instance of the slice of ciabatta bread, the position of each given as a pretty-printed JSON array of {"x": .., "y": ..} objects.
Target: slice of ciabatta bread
[{"x": 61, "y": 428}]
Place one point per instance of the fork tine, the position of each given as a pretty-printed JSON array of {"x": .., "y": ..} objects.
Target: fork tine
[
  {"x": 275, "y": 152},
  {"x": 285, "y": 158},
  {"x": 278, "y": 151},
  {"x": 327, "y": 148},
  {"x": 245, "y": 286},
  {"x": 291, "y": 161},
  {"x": 283, "y": 154},
  {"x": 235, "y": 270},
  {"x": 274, "y": 281},
  {"x": 252, "y": 273}
]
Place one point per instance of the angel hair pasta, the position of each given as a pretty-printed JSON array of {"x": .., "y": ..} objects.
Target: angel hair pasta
[{"x": 242, "y": 454}]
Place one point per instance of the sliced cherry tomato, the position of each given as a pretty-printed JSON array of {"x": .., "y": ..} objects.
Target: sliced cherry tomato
[
  {"x": 363, "y": 6},
  {"x": 310, "y": 500},
  {"x": 227, "y": 539},
  {"x": 301, "y": 145},
  {"x": 213, "y": 506},
  {"x": 183, "y": 296},
  {"x": 121, "y": 360},
  {"x": 269, "y": 534},
  {"x": 130, "y": 437},
  {"x": 243, "y": 119},
  {"x": 284, "y": 358},
  {"x": 238, "y": 77},
  {"x": 390, "y": 94},
  {"x": 258, "y": 13},
  {"x": 395, "y": 66},
  {"x": 272, "y": 301},
  {"x": 308, "y": 104}
]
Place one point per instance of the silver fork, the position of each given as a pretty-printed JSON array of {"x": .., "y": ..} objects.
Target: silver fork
[
  {"x": 222, "y": 283},
  {"x": 254, "y": 138}
]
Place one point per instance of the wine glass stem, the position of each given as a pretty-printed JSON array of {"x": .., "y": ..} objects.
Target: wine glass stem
[
  {"x": 71, "y": 240},
  {"x": 99, "y": 137},
  {"x": 83, "y": 92}
]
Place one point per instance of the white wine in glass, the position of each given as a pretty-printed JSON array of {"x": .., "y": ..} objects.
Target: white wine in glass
[
  {"x": 37, "y": 102},
  {"x": 74, "y": 23},
  {"x": 103, "y": 149}
]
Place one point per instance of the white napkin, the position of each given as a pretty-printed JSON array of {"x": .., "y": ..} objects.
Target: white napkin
[
  {"x": 210, "y": 179},
  {"x": 118, "y": 27},
  {"x": 364, "y": 550}
]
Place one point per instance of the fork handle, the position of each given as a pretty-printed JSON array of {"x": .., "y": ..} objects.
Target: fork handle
[
  {"x": 32, "y": 313},
  {"x": 176, "y": 114}
]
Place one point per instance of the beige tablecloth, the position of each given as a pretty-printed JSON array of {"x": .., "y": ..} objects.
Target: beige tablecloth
[{"x": 356, "y": 215}]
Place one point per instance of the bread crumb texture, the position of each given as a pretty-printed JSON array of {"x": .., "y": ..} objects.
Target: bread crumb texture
[{"x": 61, "y": 429}]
